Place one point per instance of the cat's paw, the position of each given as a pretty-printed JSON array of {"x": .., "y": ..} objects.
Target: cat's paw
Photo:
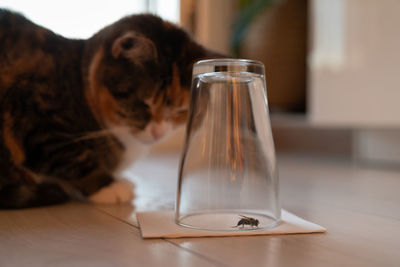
[{"x": 117, "y": 192}]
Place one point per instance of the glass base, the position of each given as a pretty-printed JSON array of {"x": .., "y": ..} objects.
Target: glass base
[{"x": 228, "y": 221}]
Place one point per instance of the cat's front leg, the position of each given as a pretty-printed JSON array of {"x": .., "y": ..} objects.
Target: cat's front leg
[
  {"x": 119, "y": 191},
  {"x": 101, "y": 187}
]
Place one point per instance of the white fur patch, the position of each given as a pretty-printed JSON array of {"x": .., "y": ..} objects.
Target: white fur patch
[
  {"x": 134, "y": 149},
  {"x": 155, "y": 131},
  {"x": 117, "y": 192},
  {"x": 138, "y": 144}
]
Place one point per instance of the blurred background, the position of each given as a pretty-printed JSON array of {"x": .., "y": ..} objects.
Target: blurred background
[{"x": 332, "y": 66}]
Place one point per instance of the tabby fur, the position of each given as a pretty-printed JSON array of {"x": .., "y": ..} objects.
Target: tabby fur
[{"x": 70, "y": 109}]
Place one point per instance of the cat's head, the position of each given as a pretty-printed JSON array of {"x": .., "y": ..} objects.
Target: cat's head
[{"x": 138, "y": 75}]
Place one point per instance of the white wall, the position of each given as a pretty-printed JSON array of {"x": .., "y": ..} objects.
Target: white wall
[
  {"x": 355, "y": 63},
  {"x": 354, "y": 73},
  {"x": 82, "y": 18}
]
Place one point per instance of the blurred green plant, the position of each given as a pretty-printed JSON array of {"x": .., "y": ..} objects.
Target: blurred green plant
[{"x": 248, "y": 11}]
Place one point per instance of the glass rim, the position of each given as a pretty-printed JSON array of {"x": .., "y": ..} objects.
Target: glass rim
[
  {"x": 234, "y": 61},
  {"x": 228, "y": 65},
  {"x": 274, "y": 221}
]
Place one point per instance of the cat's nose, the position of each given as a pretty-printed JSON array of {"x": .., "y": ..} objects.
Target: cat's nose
[
  {"x": 158, "y": 130},
  {"x": 157, "y": 134}
]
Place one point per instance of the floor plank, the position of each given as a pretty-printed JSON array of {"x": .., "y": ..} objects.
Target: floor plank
[
  {"x": 80, "y": 235},
  {"x": 360, "y": 241},
  {"x": 345, "y": 198},
  {"x": 358, "y": 206},
  {"x": 340, "y": 184}
]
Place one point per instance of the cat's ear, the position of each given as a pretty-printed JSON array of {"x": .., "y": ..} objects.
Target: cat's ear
[{"x": 135, "y": 47}]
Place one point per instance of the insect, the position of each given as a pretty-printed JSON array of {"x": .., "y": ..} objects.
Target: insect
[{"x": 247, "y": 221}]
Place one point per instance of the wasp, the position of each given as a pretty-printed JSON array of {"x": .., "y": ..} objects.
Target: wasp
[{"x": 247, "y": 221}]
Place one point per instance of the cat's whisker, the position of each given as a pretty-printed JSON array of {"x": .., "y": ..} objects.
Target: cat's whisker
[
  {"x": 98, "y": 134},
  {"x": 88, "y": 85}
]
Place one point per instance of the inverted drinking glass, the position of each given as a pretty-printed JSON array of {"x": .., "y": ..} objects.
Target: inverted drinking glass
[{"x": 228, "y": 178}]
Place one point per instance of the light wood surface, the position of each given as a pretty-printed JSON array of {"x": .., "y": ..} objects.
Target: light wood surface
[{"x": 358, "y": 205}]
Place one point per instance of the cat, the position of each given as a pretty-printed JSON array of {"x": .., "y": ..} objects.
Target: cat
[{"x": 75, "y": 112}]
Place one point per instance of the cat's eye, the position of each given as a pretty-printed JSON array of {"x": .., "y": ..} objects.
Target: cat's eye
[
  {"x": 181, "y": 111},
  {"x": 121, "y": 94}
]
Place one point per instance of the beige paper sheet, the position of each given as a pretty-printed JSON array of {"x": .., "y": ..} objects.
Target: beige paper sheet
[{"x": 161, "y": 224}]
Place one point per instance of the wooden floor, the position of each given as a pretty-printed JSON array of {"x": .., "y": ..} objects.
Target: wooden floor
[{"x": 359, "y": 206}]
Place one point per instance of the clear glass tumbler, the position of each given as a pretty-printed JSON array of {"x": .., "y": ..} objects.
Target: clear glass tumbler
[{"x": 228, "y": 178}]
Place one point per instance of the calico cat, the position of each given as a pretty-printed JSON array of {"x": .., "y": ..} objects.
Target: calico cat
[{"x": 75, "y": 112}]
